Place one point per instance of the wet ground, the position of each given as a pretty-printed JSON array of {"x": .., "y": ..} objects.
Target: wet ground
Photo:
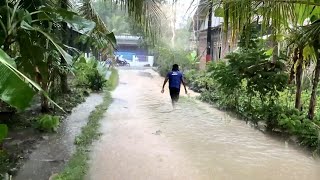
[
  {"x": 52, "y": 153},
  {"x": 143, "y": 138}
]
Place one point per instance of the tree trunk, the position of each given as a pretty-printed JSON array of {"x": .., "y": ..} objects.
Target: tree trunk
[
  {"x": 292, "y": 71},
  {"x": 313, "y": 98},
  {"x": 64, "y": 76},
  {"x": 44, "y": 104},
  {"x": 209, "y": 32},
  {"x": 44, "y": 85},
  {"x": 299, "y": 79},
  {"x": 274, "y": 42}
]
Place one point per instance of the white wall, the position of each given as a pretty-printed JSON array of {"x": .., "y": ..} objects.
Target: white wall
[
  {"x": 136, "y": 63},
  {"x": 216, "y": 21}
]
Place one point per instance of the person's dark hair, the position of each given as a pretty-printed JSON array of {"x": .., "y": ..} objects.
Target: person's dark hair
[{"x": 175, "y": 67}]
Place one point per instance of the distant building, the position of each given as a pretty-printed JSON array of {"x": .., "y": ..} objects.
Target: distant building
[
  {"x": 129, "y": 49},
  {"x": 221, "y": 45}
]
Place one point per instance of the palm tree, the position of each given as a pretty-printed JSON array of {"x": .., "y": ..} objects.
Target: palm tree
[
  {"x": 311, "y": 34},
  {"x": 299, "y": 47}
]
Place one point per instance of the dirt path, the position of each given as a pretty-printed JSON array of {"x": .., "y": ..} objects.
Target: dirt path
[
  {"x": 52, "y": 154},
  {"x": 144, "y": 139}
]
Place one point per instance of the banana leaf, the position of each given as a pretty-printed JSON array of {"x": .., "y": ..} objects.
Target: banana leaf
[
  {"x": 65, "y": 55},
  {"x": 78, "y": 23},
  {"x": 13, "y": 89},
  {"x": 16, "y": 89},
  {"x": 111, "y": 38}
]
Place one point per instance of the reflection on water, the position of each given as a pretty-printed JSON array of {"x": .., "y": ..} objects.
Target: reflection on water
[{"x": 144, "y": 138}]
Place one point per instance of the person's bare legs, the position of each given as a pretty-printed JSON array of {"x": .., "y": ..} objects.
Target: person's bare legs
[{"x": 173, "y": 104}]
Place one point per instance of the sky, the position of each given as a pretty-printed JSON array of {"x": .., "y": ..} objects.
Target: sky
[{"x": 184, "y": 10}]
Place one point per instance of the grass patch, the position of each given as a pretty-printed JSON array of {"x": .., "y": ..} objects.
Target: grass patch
[
  {"x": 77, "y": 167},
  {"x": 113, "y": 80}
]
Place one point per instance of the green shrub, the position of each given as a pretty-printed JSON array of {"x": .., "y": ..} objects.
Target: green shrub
[
  {"x": 113, "y": 80},
  {"x": 3, "y": 132},
  {"x": 166, "y": 56},
  {"x": 90, "y": 73},
  {"x": 48, "y": 123},
  {"x": 96, "y": 81}
]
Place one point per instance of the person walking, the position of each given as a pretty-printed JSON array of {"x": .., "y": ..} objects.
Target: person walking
[{"x": 175, "y": 78}]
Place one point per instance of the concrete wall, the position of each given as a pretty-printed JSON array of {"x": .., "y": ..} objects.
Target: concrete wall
[
  {"x": 221, "y": 45},
  {"x": 149, "y": 60}
]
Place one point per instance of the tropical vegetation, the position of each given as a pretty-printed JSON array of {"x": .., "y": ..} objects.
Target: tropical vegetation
[{"x": 273, "y": 77}]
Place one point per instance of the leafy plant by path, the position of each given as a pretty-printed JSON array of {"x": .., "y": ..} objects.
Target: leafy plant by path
[
  {"x": 113, "y": 80},
  {"x": 96, "y": 81},
  {"x": 48, "y": 123},
  {"x": 90, "y": 73}
]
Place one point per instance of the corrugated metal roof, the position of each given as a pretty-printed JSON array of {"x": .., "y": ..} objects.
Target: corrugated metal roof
[{"x": 129, "y": 40}]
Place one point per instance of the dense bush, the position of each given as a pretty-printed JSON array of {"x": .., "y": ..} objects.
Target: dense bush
[
  {"x": 96, "y": 80},
  {"x": 90, "y": 73},
  {"x": 48, "y": 123}
]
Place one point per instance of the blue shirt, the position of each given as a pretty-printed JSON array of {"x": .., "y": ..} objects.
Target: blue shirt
[{"x": 175, "y": 79}]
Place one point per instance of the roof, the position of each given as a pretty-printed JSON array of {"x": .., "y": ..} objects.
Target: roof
[{"x": 128, "y": 40}]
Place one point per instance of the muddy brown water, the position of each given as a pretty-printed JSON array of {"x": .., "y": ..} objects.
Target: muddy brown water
[{"x": 143, "y": 138}]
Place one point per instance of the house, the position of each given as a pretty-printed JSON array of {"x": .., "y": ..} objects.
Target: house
[
  {"x": 129, "y": 49},
  {"x": 221, "y": 43}
]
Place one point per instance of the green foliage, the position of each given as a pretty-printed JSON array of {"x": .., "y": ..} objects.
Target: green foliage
[
  {"x": 296, "y": 123},
  {"x": 48, "y": 123},
  {"x": 78, "y": 23},
  {"x": 90, "y": 73},
  {"x": 96, "y": 80},
  {"x": 167, "y": 56},
  {"x": 3, "y": 132},
  {"x": 13, "y": 89},
  {"x": 113, "y": 80},
  {"x": 199, "y": 81},
  {"x": 28, "y": 35}
]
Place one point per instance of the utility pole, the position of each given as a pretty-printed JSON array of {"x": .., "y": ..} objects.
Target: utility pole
[{"x": 209, "y": 43}]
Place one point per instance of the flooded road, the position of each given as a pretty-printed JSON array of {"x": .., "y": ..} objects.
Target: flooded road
[{"x": 143, "y": 138}]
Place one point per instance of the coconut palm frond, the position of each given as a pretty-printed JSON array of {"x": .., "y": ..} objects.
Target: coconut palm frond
[
  {"x": 275, "y": 16},
  {"x": 87, "y": 10},
  {"x": 311, "y": 32},
  {"x": 146, "y": 13}
]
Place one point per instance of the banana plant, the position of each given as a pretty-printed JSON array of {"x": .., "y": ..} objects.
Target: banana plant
[
  {"x": 28, "y": 31},
  {"x": 16, "y": 89}
]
